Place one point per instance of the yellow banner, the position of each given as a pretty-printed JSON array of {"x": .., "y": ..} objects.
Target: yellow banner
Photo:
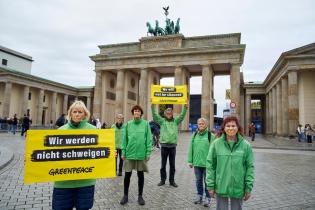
[
  {"x": 168, "y": 94},
  {"x": 55, "y": 155}
]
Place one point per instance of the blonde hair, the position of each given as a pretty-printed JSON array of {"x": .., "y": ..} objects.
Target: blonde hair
[
  {"x": 79, "y": 104},
  {"x": 203, "y": 119}
]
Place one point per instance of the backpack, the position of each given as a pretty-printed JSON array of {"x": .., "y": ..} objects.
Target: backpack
[
  {"x": 60, "y": 122},
  {"x": 209, "y": 135}
]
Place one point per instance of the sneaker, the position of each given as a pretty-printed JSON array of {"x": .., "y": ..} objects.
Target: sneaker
[
  {"x": 207, "y": 202},
  {"x": 141, "y": 200},
  {"x": 119, "y": 173},
  {"x": 173, "y": 184},
  {"x": 124, "y": 200},
  {"x": 198, "y": 200},
  {"x": 161, "y": 183}
]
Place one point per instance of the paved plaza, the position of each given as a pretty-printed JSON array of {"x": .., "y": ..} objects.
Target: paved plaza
[{"x": 285, "y": 179}]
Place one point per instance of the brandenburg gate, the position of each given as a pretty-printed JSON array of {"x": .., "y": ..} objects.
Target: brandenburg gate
[{"x": 125, "y": 72}]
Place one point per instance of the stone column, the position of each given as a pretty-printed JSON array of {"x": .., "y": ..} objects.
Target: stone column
[
  {"x": 279, "y": 107},
  {"x": 205, "y": 92},
  {"x": 284, "y": 105},
  {"x": 267, "y": 114},
  {"x": 178, "y": 74},
  {"x": 88, "y": 103},
  {"x": 120, "y": 86},
  {"x": 143, "y": 91},
  {"x": 270, "y": 112},
  {"x": 26, "y": 91},
  {"x": 40, "y": 107},
  {"x": 211, "y": 120},
  {"x": 293, "y": 108},
  {"x": 235, "y": 81},
  {"x": 65, "y": 104},
  {"x": 53, "y": 107},
  {"x": 97, "y": 103},
  {"x": 248, "y": 112},
  {"x": 274, "y": 110},
  {"x": 7, "y": 99}
]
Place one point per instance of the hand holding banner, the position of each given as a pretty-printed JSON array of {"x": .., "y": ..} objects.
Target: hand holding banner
[{"x": 168, "y": 94}]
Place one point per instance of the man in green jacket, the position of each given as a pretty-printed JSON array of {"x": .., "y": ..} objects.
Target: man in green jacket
[
  {"x": 119, "y": 132},
  {"x": 230, "y": 166},
  {"x": 168, "y": 140},
  {"x": 197, "y": 158}
]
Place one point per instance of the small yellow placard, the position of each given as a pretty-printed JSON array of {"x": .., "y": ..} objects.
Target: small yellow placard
[
  {"x": 168, "y": 94},
  {"x": 55, "y": 155}
]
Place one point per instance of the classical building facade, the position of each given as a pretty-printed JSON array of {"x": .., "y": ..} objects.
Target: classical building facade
[
  {"x": 125, "y": 72},
  {"x": 288, "y": 93},
  {"x": 43, "y": 100}
]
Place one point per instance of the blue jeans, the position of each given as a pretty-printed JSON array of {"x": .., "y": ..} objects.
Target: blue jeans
[{"x": 200, "y": 173}]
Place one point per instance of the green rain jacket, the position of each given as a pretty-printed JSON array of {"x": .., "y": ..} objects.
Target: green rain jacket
[
  {"x": 230, "y": 172},
  {"x": 119, "y": 134},
  {"x": 76, "y": 183},
  {"x": 169, "y": 128},
  {"x": 199, "y": 148},
  {"x": 137, "y": 140}
]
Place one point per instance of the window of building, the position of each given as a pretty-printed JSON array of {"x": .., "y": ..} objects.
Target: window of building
[
  {"x": 29, "y": 96},
  {"x": 4, "y": 62},
  {"x": 44, "y": 99}
]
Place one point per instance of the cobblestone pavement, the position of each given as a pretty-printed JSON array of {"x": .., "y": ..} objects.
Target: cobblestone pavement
[{"x": 285, "y": 179}]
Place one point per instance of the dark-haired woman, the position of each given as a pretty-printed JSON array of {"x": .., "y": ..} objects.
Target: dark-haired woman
[
  {"x": 136, "y": 150},
  {"x": 230, "y": 166}
]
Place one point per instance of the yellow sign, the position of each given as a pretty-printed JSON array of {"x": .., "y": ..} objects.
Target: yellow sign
[
  {"x": 168, "y": 94},
  {"x": 55, "y": 155}
]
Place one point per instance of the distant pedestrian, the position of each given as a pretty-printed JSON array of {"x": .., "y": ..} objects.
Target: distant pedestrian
[
  {"x": 309, "y": 132},
  {"x": 299, "y": 132},
  {"x": 25, "y": 124},
  {"x": 119, "y": 134},
  {"x": 98, "y": 124},
  {"x": 197, "y": 158},
  {"x": 253, "y": 131},
  {"x": 230, "y": 166},
  {"x": 14, "y": 124}
]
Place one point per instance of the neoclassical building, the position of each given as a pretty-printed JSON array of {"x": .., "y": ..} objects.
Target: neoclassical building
[
  {"x": 287, "y": 94},
  {"x": 125, "y": 72}
]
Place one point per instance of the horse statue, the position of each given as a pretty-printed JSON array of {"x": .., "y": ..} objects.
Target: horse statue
[
  {"x": 177, "y": 27},
  {"x": 150, "y": 30},
  {"x": 158, "y": 30},
  {"x": 168, "y": 29}
]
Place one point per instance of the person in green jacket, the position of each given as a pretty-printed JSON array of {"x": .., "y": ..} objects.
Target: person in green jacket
[
  {"x": 136, "y": 151},
  {"x": 230, "y": 166},
  {"x": 197, "y": 158},
  {"x": 168, "y": 140},
  {"x": 119, "y": 131},
  {"x": 77, "y": 194}
]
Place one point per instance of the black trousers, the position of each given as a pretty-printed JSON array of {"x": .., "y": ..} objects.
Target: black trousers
[
  {"x": 168, "y": 152},
  {"x": 120, "y": 161},
  {"x": 140, "y": 182}
]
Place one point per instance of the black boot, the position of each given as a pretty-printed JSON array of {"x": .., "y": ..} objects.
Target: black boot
[
  {"x": 161, "y": 183},
  {"x": 173, "y": 184},
  {"x": 141, "y": 200},
  {"x": 124, "y": 200}
]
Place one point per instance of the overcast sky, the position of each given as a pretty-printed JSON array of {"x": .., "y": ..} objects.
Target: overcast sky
[{"x": 60, "y": 35}]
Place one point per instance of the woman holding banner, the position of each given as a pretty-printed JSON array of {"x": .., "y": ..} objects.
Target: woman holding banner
[
  {"x": 230, "y": 166},
  {"x": 77, "y": 194},
  {"x": 136, "y": 151}
]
